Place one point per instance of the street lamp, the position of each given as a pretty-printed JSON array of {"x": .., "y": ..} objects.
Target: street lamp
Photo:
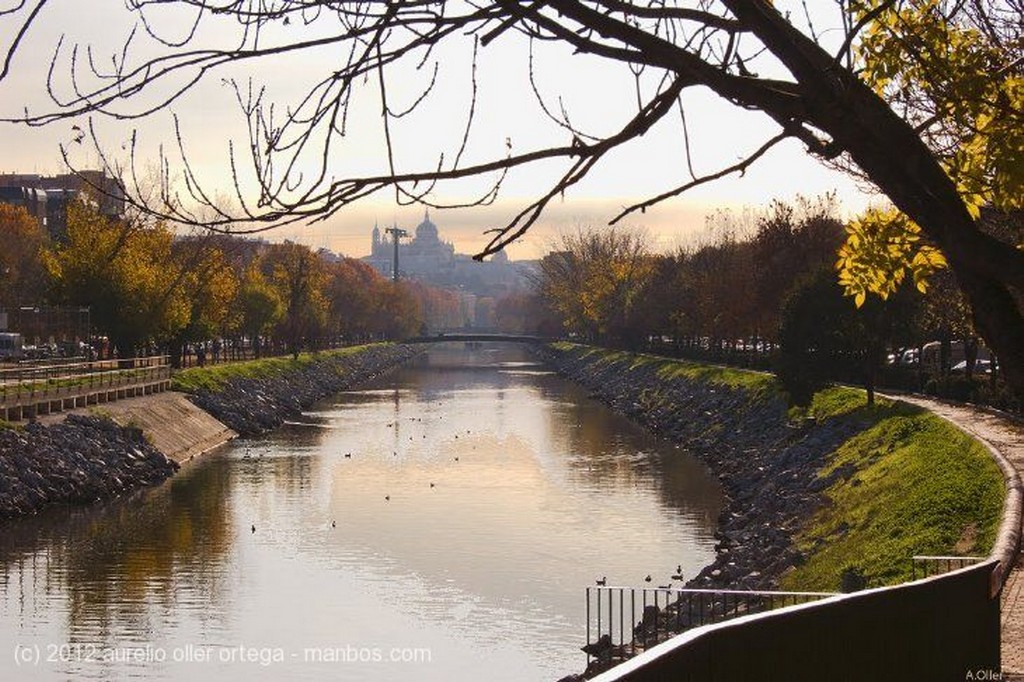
[{"x": 398, "y": 233}]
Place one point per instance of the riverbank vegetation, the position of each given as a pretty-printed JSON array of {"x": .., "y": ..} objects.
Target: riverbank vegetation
[
  {"x": 671, "y": 368},
  {"x": 761, "y": 291},
  {"x": 150, "y": 289},
  {"x": 918, "y": 485},
  {"x": 215, "y": 377},
  {"x": 257, "y": 396},
  {"x": 884, "y": 482}
]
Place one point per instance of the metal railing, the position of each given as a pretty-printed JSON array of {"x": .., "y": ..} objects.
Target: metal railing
[
  {"x": 40, "y": 382},
  {"x": 922, "y": 566},
  {"x": 624, "y": 621}
]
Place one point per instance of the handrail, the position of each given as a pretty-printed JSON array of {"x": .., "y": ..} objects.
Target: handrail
[
  {"x": 27, "y": 390},
  {"x": 21, "y": 372},
  {"x": 619, "y": 625}
]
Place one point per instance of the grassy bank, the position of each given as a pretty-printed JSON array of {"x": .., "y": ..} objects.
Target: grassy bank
[
  {"x": 920, "y": 486},
  {"x": 909, "y": 482},
  {"x": 213, "y": 377},
  {"x": 669, "y": 368}
]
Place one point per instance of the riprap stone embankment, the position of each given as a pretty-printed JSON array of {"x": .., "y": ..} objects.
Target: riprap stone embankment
[
  {"x": 83, "y": 459},
  {"x": 252, "y": 405}
]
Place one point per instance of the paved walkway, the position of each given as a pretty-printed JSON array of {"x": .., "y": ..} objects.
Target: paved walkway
[{"x": 1007, "y": 436}]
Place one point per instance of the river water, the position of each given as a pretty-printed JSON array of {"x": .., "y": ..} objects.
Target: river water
[{"x": 441, "y": 524}]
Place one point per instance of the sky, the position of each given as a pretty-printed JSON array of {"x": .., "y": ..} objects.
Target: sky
[{"x": 597, "y": 97}]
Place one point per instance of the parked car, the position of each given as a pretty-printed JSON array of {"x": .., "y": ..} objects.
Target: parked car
[{"x": 980, "y": 367}]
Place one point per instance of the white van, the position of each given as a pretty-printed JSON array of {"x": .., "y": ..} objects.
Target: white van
[{"x": 11, "y": 346}]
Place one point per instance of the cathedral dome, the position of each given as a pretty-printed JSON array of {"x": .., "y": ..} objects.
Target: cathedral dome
[{"x": 426, "y": 231}]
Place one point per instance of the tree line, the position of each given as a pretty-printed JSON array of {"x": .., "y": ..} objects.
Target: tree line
[
  {"x": 149, "y": 289},
  {"x": 921, "y": 99},
  {"x": 760, "y": 290}
]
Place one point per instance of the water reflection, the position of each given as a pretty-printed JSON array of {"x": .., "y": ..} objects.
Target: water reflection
[{"x": 458, "y": 507}]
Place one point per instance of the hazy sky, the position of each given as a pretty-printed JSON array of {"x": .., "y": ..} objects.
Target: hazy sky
[{"x": 598, "y": 98}]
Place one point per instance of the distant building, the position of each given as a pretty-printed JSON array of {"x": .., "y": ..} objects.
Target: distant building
[
  {"x": 31, "y": 199},
  {"x": 425, "y": 254},
  {"x": 46, "y": 198},
  {"x": 430, "y": 259}
]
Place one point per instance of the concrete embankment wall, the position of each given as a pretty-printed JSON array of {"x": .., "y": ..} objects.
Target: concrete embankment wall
[{"x": 171, "y": 423}]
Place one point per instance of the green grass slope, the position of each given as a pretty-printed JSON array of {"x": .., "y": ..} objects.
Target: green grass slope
[
  {"x": 920, "y": 486},
  {"x": 213, "y": 377}
]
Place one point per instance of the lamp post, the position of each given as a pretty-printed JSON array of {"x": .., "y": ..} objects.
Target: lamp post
[{"x": 397, "y": 232}]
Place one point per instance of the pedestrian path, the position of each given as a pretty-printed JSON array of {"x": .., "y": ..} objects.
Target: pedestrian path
[{"x": 1007, "y": 436}]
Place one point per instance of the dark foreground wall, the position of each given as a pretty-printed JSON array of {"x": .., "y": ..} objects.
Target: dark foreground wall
[{"x": 942, "y": 628}]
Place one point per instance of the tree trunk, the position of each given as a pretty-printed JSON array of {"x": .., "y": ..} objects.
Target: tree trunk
[
  {"x": 970, "y": 356},
  {"x": 175, "y": 349}
]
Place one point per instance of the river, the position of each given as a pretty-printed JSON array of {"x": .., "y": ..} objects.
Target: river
[{"x": 440, "y": 524}]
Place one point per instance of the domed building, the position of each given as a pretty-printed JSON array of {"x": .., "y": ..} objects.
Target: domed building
[
  {"x": 425, "y": 254},
  {"x": 429, "y": 259}
]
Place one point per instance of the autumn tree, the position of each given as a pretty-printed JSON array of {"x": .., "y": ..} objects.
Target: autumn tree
[
  {"x": 259, "y": 305},
  {"x": 527, "y": 313},
  {"x": 594, "y": 280},
  {"x": 23, "y": 278},
  {"x": 792, "y": 240},
  {"x": 124, "y": 272},
  {"x": 211, "y": 287},
  {"x": 349, "y": 288},
  {"x": 298, "y": 275},
  {"x": 921, "y": 98},
  {"x": 440, "y": 309},
  {"x": 397, "y": 313}
]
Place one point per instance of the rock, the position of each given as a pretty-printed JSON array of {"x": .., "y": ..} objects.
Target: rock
[
  {"x": 252, "y": 406},
  {"x": 43, "y": 466}
]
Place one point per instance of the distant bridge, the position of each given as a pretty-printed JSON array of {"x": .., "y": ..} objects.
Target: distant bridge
[{"x": 467, "y": 336}]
